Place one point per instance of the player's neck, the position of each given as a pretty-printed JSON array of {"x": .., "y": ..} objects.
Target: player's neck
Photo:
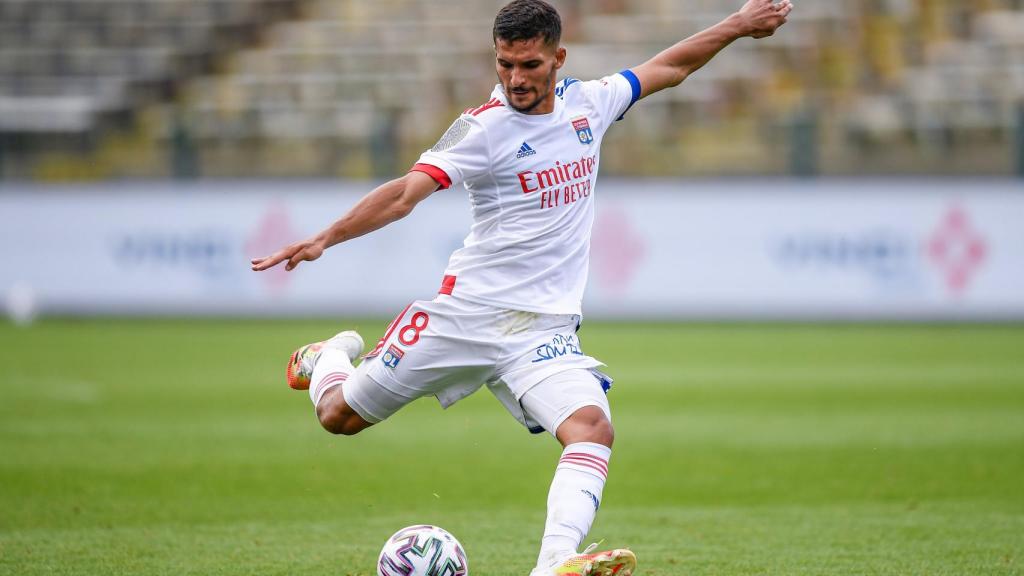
[{"x": 544, "y": 108}]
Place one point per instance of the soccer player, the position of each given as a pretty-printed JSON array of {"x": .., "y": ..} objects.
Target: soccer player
[{"x": 509, "y": 305}]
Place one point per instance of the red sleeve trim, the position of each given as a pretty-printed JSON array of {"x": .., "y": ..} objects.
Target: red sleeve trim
[
  {"x": 492, "y": 103},
  {"x": 447, "y": 285},
  {"x": 434, "y": 172}
]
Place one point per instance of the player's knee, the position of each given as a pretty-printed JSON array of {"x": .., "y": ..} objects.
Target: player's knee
[
  {"x": 342, "y": 424},
  {"x": 330, "y": 417},
  {"x": 338, "y": 418},
  {"x": 588, "y": 424},
  {"x": 602, "y": 432}
]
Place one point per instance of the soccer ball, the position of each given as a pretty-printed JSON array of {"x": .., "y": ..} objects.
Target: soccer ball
[{"x": 422, "y": 550}]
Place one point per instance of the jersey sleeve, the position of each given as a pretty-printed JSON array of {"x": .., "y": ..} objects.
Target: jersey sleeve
[
  {"x": 462, "y": 154},
  {"x": 613, "y": 95}
]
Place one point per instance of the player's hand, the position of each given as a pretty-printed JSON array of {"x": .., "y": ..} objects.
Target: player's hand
[
  {"x": 294, "y": 253},
  {"x": 763, "y": 17}
]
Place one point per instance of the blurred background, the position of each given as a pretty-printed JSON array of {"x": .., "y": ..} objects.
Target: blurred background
[{"x": 875, "y": 146}]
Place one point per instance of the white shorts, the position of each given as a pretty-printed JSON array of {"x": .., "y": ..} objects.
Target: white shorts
[{"x": 449, "y": 348}]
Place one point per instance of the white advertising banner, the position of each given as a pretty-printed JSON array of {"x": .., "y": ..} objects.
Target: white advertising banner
[{"x": 857, "y": 249}]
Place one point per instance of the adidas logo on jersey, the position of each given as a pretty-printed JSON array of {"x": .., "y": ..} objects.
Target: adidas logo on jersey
[{"x": 525, "y": 151}]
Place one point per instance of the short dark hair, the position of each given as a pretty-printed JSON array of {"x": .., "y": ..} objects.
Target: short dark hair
[{"x": 527, "y": 19}]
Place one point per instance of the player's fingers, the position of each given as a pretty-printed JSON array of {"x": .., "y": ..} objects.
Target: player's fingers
[
  {"x": 296, "y": 258},
  {"x": 270, "y": 261},
  {"x": 264, "y": 263}
]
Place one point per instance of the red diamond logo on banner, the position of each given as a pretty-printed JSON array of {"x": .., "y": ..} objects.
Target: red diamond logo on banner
[
  {"x": 272, "y": 233},
  {"x": 618, "y": 250},
  {"x": 957, "y": 250}
]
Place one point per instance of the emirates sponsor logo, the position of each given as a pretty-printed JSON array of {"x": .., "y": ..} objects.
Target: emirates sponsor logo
[
  {"x": 561, "y": 184},
  {"x": 560, "y": 173}
]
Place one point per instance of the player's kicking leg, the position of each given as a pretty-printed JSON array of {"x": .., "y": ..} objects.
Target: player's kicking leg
[{"x": 322, "y": 368}]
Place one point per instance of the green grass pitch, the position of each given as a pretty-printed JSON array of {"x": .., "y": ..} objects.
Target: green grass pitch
[{"x": 175, "y": 448}]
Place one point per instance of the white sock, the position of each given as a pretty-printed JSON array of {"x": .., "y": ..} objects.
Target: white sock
[
  {"x": 573, "y": 499},
  {"x": 332, "y": 369}
]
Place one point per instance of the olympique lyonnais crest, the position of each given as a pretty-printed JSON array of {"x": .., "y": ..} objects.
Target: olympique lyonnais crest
[
  {"x": 392, "y": 356},
  {"x": 582, "y": 128}
]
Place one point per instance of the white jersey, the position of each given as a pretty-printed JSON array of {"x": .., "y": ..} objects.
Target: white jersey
[{"x": 531, "y": 182}]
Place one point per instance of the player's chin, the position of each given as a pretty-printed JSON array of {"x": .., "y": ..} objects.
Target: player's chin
[{"x": 524, "y": 102}]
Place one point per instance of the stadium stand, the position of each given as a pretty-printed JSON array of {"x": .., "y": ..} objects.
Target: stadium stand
[
  {"x": 73, "y": 70},
  {"x": 299, "y": 88}
]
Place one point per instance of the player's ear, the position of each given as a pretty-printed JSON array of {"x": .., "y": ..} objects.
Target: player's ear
[{"x": 559, "y": 57}]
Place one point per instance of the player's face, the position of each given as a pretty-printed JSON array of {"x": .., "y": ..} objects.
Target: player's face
[{"x": 528, "y": 71}]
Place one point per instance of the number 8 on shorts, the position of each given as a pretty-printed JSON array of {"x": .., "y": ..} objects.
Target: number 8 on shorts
[{"x": 410, "y": 333}]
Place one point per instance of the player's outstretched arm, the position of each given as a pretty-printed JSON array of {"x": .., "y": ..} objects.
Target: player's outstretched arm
[
  {"x": 388, "y": 202},
  {"x": 757, "y": 19}
]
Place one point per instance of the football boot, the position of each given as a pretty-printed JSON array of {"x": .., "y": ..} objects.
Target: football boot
[
  {"x": 619, "y": 562},
  {"x": 303, "y": 360}
]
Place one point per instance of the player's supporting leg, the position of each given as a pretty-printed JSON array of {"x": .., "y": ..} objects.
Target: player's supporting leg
[
  {"x": 578, "y": 484},
  {"x": 586, "y": 434},
  {"x": 323, "y": 367}
]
